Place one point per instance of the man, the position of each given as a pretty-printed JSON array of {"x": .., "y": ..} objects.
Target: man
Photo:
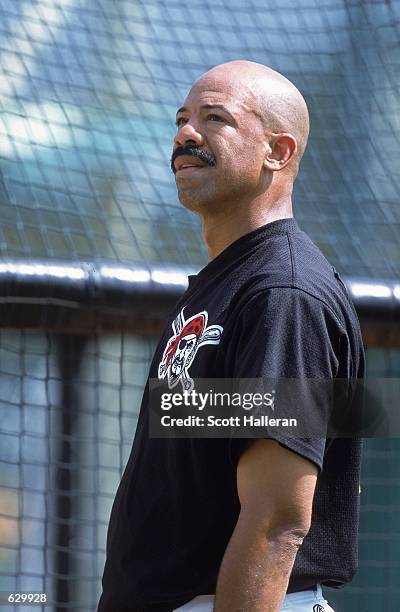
[{"x": 227, "y": 524}]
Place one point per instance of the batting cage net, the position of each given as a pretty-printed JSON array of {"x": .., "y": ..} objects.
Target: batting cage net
[{"x": 91, "y": 231}]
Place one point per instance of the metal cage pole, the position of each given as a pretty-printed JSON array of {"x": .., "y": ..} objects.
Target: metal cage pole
[
  {"x": 69, "y": 351},
  {"x": 86, "y": 298}
]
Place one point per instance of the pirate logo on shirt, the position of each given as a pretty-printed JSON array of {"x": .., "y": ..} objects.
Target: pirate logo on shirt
[{"x": 189, "y": 336}]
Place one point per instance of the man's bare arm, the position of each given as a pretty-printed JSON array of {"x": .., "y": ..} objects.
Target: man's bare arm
[{"x": 276, "y": 489}]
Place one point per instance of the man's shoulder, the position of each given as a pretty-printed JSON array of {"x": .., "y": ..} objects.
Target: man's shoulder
[{"x": 300, "y": 266}]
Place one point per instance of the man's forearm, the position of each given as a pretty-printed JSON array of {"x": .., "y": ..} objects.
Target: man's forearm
[{"x": 255, "y": 570}]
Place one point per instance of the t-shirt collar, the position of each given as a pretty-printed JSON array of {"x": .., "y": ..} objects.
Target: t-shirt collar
[{"x": 243, "y": 245}]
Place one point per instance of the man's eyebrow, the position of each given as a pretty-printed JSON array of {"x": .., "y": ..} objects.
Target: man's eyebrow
[
  {"x": 221, "y": 107},
  {"x": 182, "y": 109}
]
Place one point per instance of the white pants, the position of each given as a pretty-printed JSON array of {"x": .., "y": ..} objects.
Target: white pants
[{"x": 304, "y": 601}]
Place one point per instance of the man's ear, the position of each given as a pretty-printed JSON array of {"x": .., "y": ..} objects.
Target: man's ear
[{"x": 281, "y": 149}]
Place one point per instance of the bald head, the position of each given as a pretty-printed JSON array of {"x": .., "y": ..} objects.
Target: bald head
[{"x": 271, "y": 96}]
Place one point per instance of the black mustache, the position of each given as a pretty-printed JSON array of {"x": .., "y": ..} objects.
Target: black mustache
[{"x": 204, "y": 156}]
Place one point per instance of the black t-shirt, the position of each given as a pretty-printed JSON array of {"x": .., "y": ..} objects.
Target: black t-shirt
[{"x": 270, "y": 305}]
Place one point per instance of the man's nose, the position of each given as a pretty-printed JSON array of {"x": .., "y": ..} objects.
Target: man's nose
[{"x": 186, "y": 135}]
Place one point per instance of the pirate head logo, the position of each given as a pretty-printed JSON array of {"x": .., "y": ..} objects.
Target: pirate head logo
[{"x": 189, "y": 336}]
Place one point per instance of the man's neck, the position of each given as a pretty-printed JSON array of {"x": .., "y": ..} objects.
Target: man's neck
[{"x": 221, "y": 229}]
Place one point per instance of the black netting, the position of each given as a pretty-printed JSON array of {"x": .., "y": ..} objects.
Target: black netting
[
  {"x": 68, "y": 412},
  {"x": 90, "y": 89}
]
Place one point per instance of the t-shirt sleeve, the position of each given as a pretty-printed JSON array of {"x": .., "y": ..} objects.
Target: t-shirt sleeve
[{"x": 286, "y": 333}]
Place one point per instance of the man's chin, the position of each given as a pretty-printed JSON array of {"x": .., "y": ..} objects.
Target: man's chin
[
  {"x": 196, "y": 200},
  {"x": 192, "y": 200}
]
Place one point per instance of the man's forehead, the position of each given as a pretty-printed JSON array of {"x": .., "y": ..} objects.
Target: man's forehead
[{"x": 209, "y": 90}]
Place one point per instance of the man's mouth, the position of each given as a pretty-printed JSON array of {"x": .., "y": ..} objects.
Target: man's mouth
[
  {"x": 190, "y": 159},
  {"x": 183, "y": 163}
]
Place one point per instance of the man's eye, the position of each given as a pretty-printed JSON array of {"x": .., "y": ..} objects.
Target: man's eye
[
  {"x": 180, "y": 121},
  {"x": 213, "y": 117}
]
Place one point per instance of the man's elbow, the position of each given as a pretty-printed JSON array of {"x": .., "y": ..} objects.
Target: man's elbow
[
  {"x": 290, "y": 531},
  {"x": 289, "y": 528}
]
